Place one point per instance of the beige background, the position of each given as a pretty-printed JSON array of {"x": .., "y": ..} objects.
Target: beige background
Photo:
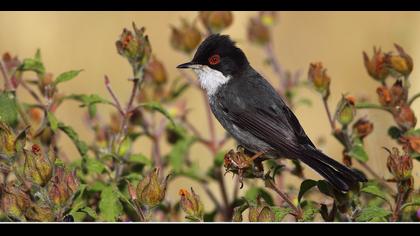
[{"x": 73, "y": 40}]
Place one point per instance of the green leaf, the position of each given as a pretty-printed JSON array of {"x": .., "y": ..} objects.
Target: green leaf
[
  {"x": 219, "y": 159},
  {"x": 66, "y": 76},
  {"x": 305, "y": 186},
  {"x": 8, "y": 108},
  {"x": 374, "y": 190},
  {"x": 89, "y": 211},
  {"x": 155, "y": 106},
  {"x": 370, "y": 213},
  {"x": 81, "y": 146},
  {"x": 253, "y": 192},
  {"x": 309, "y": 211},
  {"x": 34, "y": 65},
  {"x": 413, "y": 203},
  {"x": 358, "y": 151},
  {"x": 412, "y": 132},
  {"x": 140, "y": 159},
  {"x": 125, "y": 147},
  {"x": 87, "y": 100},
  {"x": 94, "y": 166},
  {"x": 281, "y": 212},
  {"x": 178, "y": 153},
  {"x": 53, "y": 121},
  {"x": 110, "y": 206}
]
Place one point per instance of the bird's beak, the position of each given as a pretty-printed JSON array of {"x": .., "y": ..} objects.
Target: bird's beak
[{"x": 187, "y": 65}]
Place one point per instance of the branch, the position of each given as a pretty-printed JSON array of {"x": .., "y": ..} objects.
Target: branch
[
  {"x": 297, "y": 211},
  {"x": 7, "y": 84},
  {"x": 371, "y": 106},
  {"x": 111, "y": 92}
]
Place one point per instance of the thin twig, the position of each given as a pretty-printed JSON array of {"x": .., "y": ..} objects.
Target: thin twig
[
  {"x": 330, "y": 119},
  {"x": 111, "y": 92},
  {"x": 371, "y": 106},
  {"x": 7, "y": 84},
  {"x": 296, "y": 209}
]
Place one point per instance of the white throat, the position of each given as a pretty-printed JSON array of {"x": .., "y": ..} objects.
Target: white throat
[{"x": 210, "y": 79}]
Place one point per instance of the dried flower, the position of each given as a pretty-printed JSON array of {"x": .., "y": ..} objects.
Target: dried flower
[
  {"x": 362, "y": 128},
  {"x": 400, "y": 166},
  {"x": 376, "y": 65},
  {"x": 186, "y": 38},
  {"x": 38, "y": 166},
  {"x": 346, "y": 110},
  {"x": 63, "y": 185},
  {"x": 40, "y": 213},
  {"x": 216, "y": 21},
  {"x": 150, "y": 190},
  {"x": 404, "y": 117},
  {"x": 258, "y": 33},
  {"x": 136, "y": 48},
  {"x": 7, "y": 139},
  {"x": 191, "y": 204},
  {"x": 401, "y": 63},
  {"x": 155, "y": 71},
  {"x": 318, "y": 77},
  {"x": 384, "y": 95},
  {"x": 398, "y": 93},
  {"x": 261, "y": 212},
  {"x": 14, "y": 201},
  {"x": 412, "y": 142}
]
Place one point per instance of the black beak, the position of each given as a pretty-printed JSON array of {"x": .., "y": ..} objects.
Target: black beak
[{"x": 186, "y": 65}]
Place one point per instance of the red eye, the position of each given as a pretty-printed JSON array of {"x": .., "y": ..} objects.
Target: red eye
[{"x": 214, "y": 60}]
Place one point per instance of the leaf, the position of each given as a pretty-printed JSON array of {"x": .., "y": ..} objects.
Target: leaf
[
  {"x": 219, "y": 158},
  {"x": 110, "y": 205},
  {"x": 309, "y": 211},
  {"x": 281, "y": 212},
  {"x": 8, "y": 108},
  {"x": 66, "y": 76},
  {"x": 94, "y": 166},
  {"x": 413, "y": 203},
  {"x": 88, "y": 100},
  {"x": 53, "y": 121},
  {"x": 370, "y": 213},
  {"x": 155, "y": 106},
  {"x": 253, "y": 192},
  {"x": 178, "y": 153},
  {"x": 358, "y": 151},
  {"x": 305, "y": 186},
  {"x": 81, "y": 146},
  {"x": 325, "y": 188},
  {"x": 140, "y": 159},
  {"x": 89, "y": 211},
  {"x": 34, "y": 65},
  {"x": 374, "y": 190}
]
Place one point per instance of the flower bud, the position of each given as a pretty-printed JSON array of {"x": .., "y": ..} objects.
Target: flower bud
[
  {"x": 404, "y": 117},
  {"x": 38, "y": 167},
  {"x": 155, "y": 71},
  {"x": 35, "y": 114},
  {"x": 346, "y": 110},
  {"x": 398, "y": 93},
  {"x": 186, "y": 38},
  {"x": 216, "y": 21},
  {"x": 400, "y": 166},
  {"x": 191, "y": 204},
  {"x": 384, "y": 96},
  {"x": 261, "y": 213},
  {"x": 150, "y": 190},
  {"x": 258, "y": 33},
  {"x": 268, "y": 18},
  {"x": 318, "y": 77},
  {"x": 412, "y": 142},
  {"x": 401, "y": 63},
  {"x": 135, "y": 47},
  {"x": 375, "y": 66},
  {"x": 62, "y": 187},
  {"x": 14, "y": 201},
  {"x": 40, "y": 213},
  {"x": 362, "y": 128}
]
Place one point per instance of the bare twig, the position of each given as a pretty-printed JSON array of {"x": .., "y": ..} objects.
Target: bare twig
[
  {"x": 7, "y": 85},
  {"x": 114, "y": 97},
  {"x": 297, "y": 211}
]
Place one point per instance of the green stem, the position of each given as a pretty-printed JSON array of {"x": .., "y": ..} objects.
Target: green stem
[
  {"x": 371, "y": 106},
  {"x": 413, "y": 99}
]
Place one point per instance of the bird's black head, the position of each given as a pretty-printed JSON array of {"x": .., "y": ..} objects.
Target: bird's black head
[{"x": 219, "y": 53}]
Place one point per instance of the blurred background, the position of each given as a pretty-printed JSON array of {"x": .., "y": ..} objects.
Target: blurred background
[{"x": 86, "y": 40}]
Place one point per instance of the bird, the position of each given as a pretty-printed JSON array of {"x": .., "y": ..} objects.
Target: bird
[{"x": 254, "y": 114}]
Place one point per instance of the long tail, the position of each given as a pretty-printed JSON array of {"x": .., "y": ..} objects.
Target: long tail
[{"x": 341, "y": 177}]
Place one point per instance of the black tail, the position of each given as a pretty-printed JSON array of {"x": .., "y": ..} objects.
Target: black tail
[{"x": 341, "y": 177}]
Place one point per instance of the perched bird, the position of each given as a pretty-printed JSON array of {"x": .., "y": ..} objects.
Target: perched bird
[{"x": 251, "y": 110}]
